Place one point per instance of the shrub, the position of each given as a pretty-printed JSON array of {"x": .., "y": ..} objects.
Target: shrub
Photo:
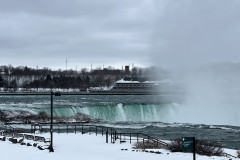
[
  {"x": 238, "y": 153},
  {"x": 42, "y": 115},
  {"x": 2, "y": 116},
  {"x": 82, "y": 117},
  {"x": 148, "y": 145},
  {"x": 175, "y": 145},
  {"x": 203, "y": 147}
]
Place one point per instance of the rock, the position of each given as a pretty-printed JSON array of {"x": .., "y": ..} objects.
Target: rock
[
  {"x": 20, "y": 141},
  {"x": 35, "y": 145},
  {"x": 23, "y": 143},
  {"x": 14, "y": 141},
  {"x": 40, "y": 148},
  {"x": 28, "y": 144}
]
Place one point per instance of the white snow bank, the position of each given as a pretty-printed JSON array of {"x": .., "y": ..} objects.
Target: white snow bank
[{"x": 90, "y": 147}]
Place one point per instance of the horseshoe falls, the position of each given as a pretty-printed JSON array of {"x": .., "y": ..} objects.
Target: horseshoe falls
[
  {"x": 119, "y": 112},
  {"x": 133, "y": 108}
]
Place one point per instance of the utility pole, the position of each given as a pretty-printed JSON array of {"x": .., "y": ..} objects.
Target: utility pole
[
  {"x": 51, "y": 127},
  {"x": 66, "y": 64},
  {"x": 37, "y": 78}
]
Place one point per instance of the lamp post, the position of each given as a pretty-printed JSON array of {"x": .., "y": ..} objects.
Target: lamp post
[{"x": 51, "y": 127}]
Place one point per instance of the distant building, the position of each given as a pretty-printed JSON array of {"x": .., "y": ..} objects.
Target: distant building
[
  {"x": 127, "y": 70},
  {"x": 127, "y": 85}
]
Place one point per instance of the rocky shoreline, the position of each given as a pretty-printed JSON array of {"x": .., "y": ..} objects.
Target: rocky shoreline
[{"x": 26, "y": 117}]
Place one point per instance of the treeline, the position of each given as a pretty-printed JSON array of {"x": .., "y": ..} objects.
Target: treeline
[{"x": 12, "y": 78}]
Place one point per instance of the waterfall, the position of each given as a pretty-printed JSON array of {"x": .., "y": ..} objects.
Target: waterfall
[{"x": 120, "y": 112}]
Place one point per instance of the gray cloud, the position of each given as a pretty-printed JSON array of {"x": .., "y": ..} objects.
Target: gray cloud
[
  {"x": 90, "y": 31},
  {"x": 196, "y": 32},
  {"x": 166, "y": 32}
]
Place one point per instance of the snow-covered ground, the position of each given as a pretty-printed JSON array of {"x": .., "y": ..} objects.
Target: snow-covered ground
[{"x": 90, "y": 147}]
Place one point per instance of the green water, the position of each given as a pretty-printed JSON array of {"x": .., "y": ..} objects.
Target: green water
[{"x": 119, "y": 112}]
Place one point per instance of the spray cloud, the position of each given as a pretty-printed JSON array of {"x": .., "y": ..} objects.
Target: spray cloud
[{"x": 198, "y": 42}]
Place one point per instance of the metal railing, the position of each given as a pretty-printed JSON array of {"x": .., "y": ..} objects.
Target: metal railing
[
  {"x": 108, "y": 131},
  {"x": 228, "y": 155}
]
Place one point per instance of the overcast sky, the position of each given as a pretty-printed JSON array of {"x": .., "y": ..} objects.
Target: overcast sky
[{"x": 118, "y": 32}]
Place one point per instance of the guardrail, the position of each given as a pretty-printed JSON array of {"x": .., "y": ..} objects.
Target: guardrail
[
  {"x": 228, "y": 155},
  {"x": 11, "y": 129},
  {"x": 140, "y": 137},
  {"x": 108, "y": 131},
  {"x": 75, "y": 128}
]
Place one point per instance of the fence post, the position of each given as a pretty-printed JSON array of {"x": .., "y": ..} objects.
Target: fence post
[
  {"x": 102, "y": 130},
  {"x": 120, "y": 138},
  {"x": 67, "y": 128},
  {"x": 107, "y": 137},
  {"x": 75, "y": 129},
  {"x": 96, "y": 130},
  {"x": 137, "y": 137},
  {"x": 111, "y": 137},
  {"x": 58, "y": 128},
  {"x": 82, "y": 129},
  {"x": 130, "y": 138}
]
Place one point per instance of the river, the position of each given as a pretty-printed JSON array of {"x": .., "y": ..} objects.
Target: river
[{"x": 155, "y": 115}]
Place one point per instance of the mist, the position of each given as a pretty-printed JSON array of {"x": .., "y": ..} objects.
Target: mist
[
  {"x": 197, "y": 42},
  {"x": 210, "y": 95}
]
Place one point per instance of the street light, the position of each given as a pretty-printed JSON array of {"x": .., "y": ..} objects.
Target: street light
[{"x": 51, "y": 128}]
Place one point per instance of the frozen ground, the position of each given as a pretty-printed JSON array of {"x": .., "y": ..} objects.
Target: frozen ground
[{"x": 90, "y": 147}]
